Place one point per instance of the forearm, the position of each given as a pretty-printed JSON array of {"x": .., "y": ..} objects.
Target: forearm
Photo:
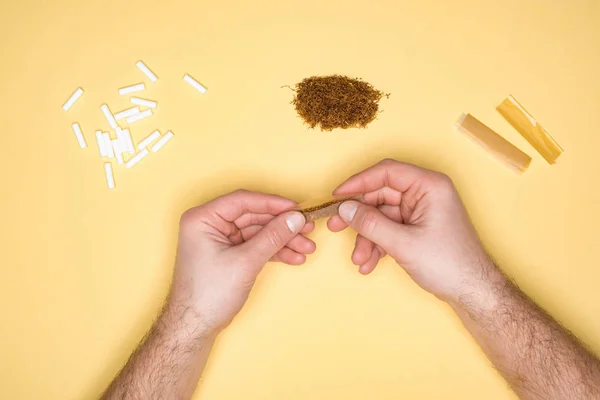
[
  {"x": 537, "y": 356},
  {"x": 168, "y": 363}
]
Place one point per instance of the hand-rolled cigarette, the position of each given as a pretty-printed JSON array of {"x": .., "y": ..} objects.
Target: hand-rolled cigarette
[{"x": 322, "y": 208}]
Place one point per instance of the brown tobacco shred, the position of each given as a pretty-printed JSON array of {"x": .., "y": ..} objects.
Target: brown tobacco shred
[
  {"x": 322, "y": 208},
  {"x": 336, "y": 101}
]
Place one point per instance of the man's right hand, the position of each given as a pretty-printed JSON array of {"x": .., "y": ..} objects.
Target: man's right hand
[{"x": 417, "y": 217}]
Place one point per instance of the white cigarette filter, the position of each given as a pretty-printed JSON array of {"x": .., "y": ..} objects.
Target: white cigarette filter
[
  {"x": 197, "y": 85},
  {"x": 128, "y": 141},
  {"x": 110, "y": 180},
  {"x": 162, "y": 141},
  {"x": 140, "y": 116},
  {"x": 74, "y": 97},
  {"x": 116, "y": 145},
  {"x": 132, "y": 89},
  {"x": 108, "y": 145},
  {"x": 109, "y": 117},
  {"x": 127, "y": 113},
  {"x": 79, "y": 135},
  {"x": 148, "y": 139},
  {"x": 123, "y": 140},
  {"x": 143, "y": 102},
  {"x": 151, "y": 75},
  {"x": 101, "y": 145},
  {"x": 137, "y": 158}
]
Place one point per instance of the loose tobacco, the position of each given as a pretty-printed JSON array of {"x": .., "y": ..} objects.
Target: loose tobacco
[
  {"x": 336, "y": 101},
  {"x": 322, "y": 208}
]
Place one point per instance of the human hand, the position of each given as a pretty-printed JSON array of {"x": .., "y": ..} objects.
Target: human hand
[
  {"x": 417, "y": 217},
  {"x": 223, "y": 246}
]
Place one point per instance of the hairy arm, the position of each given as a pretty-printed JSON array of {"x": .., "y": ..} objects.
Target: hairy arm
[
  {"x": 223, "y": 246},
  {"x": 417, "y": 217},
  {"x": 537, "y": 356},
  {"x": 168, "y": 363}
]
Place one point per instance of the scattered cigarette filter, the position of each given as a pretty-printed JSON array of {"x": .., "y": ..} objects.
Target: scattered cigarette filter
[
  {"x": 116, "y": 145},
  {"x": 128, "y": 141},
  {"x": 162, "y": 141},
  {"x": 109, "y": 117},
  {"x": 132, "y": 89},
  {"x": 127, "y": 113},
  {"x": 140, "y": 116},
  {"x": 108, "y": 145},
  {"x": 137, "y": 158},
  {"x": 101, "y": 145},
  {"x": 123, "y": 142},
  {"x": 79, "y": 135},
  {"x": 74, "y": 97},
  {"x": 143, "y": 102},
  {"x": 151, "y": 75},
  {"x": 119, "y": 133},
  {"x": 148, "y": 139},
  {"x": 197, "y": 85},
  {"x": 110, "y": 180}
]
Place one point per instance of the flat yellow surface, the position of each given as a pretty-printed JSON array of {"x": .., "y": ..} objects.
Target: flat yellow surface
[{"x": 85, "y": 270}]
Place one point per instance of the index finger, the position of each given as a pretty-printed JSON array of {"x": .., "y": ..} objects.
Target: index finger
[
  {"x": 391, "y": 173},
  {"x": 233, "y": 205}
]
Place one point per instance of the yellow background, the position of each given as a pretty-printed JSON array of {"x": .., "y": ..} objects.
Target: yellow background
[{"x": 85, "y": 270}]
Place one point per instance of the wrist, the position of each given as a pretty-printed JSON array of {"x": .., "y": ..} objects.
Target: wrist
[
  {"x": 482, "y": 291},
  {"x": 185, "y": 323}
]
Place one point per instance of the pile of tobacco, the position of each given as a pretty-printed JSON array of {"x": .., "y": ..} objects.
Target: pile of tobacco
[{"x": 336, "y": 101}]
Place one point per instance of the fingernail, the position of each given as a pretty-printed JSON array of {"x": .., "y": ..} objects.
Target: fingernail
[
  {"x": 348, "y": 210},
  {"x": 295, "y": 221}
]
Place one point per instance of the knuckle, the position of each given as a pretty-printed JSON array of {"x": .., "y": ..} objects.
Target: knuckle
[
  {"x": 442, "y": 180},
  {"x": 246, "y": 259},
  {"x": 255, "y": 219},
  {"x": 188, "y": 217},
  {"x": 275, "y": 239},
  {"x": 388, "y": 162},
  {"x": 367, "y": 222}
]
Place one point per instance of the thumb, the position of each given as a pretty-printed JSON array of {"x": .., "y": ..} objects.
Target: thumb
[
  {"x": 272, "y": 238},
  {"x": 372, "y": 224}
]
